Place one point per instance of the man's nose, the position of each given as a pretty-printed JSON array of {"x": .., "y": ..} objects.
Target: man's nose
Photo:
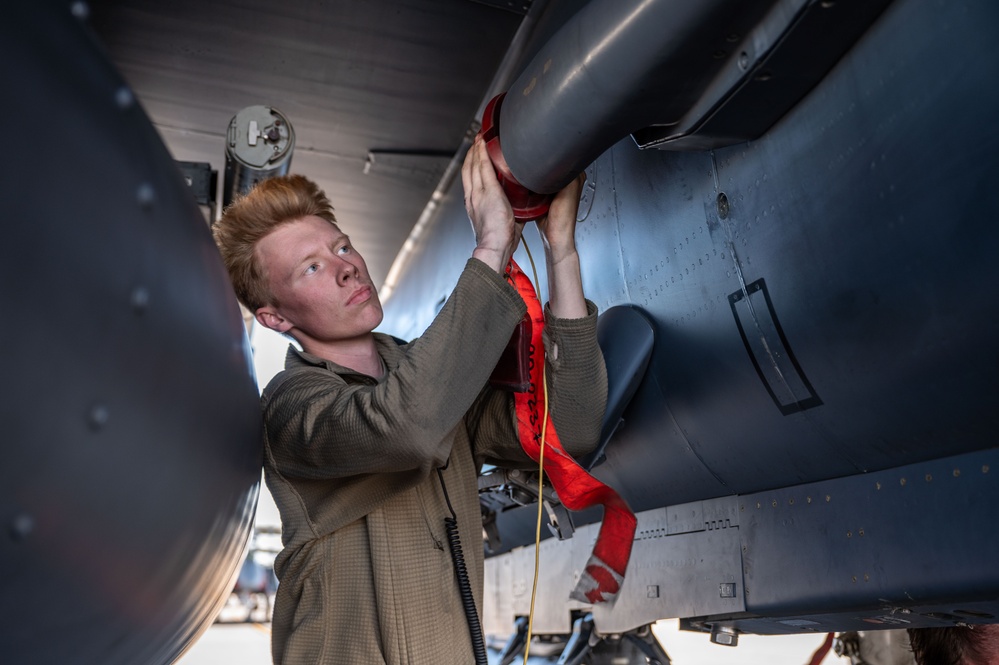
[{"x": 346, "y": 270}]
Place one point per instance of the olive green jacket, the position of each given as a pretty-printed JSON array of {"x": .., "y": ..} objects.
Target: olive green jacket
[{"x": 366, "y": 575}]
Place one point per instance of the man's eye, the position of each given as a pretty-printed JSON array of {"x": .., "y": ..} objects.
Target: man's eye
[
  {"x": 312, "y": 268},
  {"x": 344, "y": 249}
]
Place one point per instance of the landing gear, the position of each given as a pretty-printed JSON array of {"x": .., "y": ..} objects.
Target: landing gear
[
  {"x": 515, "y": 645},
  {"x": 587, "y": 647}
]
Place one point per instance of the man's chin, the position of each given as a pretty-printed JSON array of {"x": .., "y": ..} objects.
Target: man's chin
[{"x": 380, "y": 314}]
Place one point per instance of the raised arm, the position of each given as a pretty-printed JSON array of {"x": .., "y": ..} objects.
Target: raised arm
[
  {"x": 558, "y": 234},
  {"x": 496, "y": 233},
  {"x": 577, "y": 378}
]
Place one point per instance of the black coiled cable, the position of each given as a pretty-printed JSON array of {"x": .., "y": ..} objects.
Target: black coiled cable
[{"x": 464, "y": 587}]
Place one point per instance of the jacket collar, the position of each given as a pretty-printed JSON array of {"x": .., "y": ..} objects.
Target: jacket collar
[{"x": 388, "y": 348}]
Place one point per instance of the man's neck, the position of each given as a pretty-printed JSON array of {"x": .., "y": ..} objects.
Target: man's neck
[{"x": 359, "y": 354}]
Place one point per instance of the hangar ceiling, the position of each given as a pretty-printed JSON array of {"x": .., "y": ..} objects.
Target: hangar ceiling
[{"x": 380, "y": 92}]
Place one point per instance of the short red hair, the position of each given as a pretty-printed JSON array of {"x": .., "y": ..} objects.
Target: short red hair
[{"x": 270, "y": 204}]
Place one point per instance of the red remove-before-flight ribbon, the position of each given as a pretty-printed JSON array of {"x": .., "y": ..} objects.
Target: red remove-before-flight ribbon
[{"x": 604, "y": 573}]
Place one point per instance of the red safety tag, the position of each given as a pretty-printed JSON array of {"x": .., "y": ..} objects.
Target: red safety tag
[{"x": 604, "y": 573}]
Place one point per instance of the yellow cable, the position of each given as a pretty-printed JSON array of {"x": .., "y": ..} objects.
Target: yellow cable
[{"x": 541, "y": 480}]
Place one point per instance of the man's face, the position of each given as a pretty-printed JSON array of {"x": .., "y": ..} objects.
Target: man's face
[{"x": 320, "y": 282}]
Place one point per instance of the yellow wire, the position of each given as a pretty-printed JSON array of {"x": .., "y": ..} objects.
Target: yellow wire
[{"x": 541, "y": 480}]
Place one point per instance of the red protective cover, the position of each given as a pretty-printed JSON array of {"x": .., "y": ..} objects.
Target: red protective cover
[{"x": 527, "y": 205}]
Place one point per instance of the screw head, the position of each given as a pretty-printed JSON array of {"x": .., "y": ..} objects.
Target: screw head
[
  {"x": 124, "y": 98},
  {"x": 98, "y": 417},
  {"x": 80, "y": 10},
  {"x": 723, "y": 205},
  {"x": 21, "y": 527},
  {"x": 145, "y": 195}
]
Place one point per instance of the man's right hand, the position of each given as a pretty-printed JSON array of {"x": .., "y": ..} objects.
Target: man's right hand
[{"x": 496, "y": 233}]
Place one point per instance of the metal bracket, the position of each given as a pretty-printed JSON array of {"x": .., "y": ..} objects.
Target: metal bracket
[{"x": 503, "y": 489}]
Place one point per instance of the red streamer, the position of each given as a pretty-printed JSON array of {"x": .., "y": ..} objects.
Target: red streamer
[{"x": 576, "y": 488}]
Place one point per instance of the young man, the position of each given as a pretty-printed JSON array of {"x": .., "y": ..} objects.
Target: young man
[{"x": 357, "y": 426}]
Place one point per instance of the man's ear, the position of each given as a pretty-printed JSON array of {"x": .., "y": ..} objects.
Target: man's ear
[{"x": 268, "y": 317}]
